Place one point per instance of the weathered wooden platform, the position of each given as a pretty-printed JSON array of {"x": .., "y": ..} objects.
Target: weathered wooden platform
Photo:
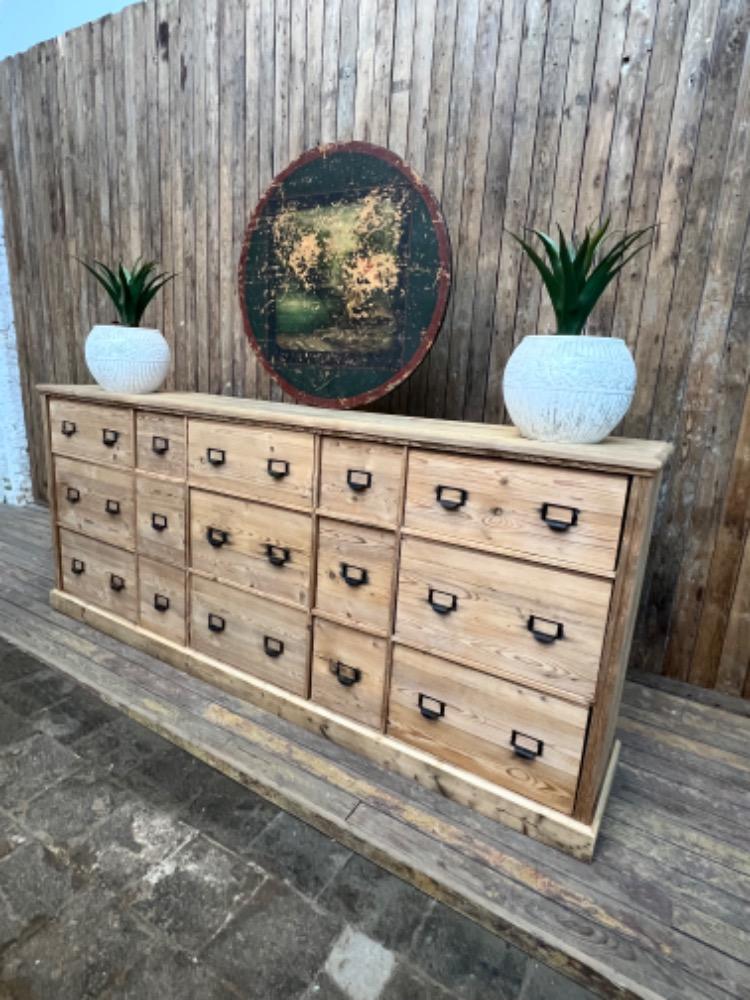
[{"x": 663, "y": 911}]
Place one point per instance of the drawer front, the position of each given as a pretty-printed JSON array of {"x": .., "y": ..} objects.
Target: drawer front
[
  {"x": 545, "y": 513},
  {"x": 355, "y": 572},
  {"x": 161, "y": 444},
  {"x": 162, "y": 599},
  {"x": 95, "y": 500},
  {"x": 85, "y": 430},
  {"x": 510, "y": 735},
  {"x": 510, "y": 618},
  {"x": 257, "y": 636},
  {"x": 362, "y": 480},
  {"x": 100, "y": 574},
  {"x": 251, "y": 544},
  {"x": 161, "y": 519},
  {"x": 256, "y": 462},
  {"x": 348, "y": 674}
]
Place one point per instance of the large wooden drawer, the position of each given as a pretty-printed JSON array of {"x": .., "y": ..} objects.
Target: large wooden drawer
[
  {"x": 539, "y": 511},
  {"x": 510, "y": 618},
  {"x": 348, "y": 674},
  {"x": 162, "y": 444},
  {"x": 86, "y": 430},
  {"x": 355, "y": 572},
  {"x": 256, "y": 462},
  {"x": 361, "y": 480},
  {"x": 251, "y": 544},
  {"x": 161, "y": 519},
  {"x": 99, "y": 573},
  {"x": 95, "y": 500},
  {"x": 513, "y": 736},
  {"x": 162, "y": 599},
  {"x": 255, "y": 635}
]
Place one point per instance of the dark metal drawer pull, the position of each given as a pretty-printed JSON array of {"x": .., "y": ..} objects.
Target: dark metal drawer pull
[
  {"x": 558, "y": 632},
  {"x": 441, "y": 606},
  {"x": 217, "y": 537},
  {"x": 277, "y": 555},
  {"x": 68, "y": 428},
  {"x": 530, "y": 748},
  {"x": 358, "y": 480},
  {"x": 116, "y": 582},
  {"x": 216, "y": 456},
  {"x": 556, "y": 523},
  {"x": 110, "y": 437},
  {"x": 159, "y": 445},
  {"x": 277, "y": 468},
  {"x": 354, "y": 576},
  {"x": 72, "y": 494},
  {"x": 77, "y": 566},
  {"x": 112, "y": 506},
  {"x": 161, "y": 603},
  {"x": 159, "y": 522},
  {"x": 345, "y": 674},
  {"x": 272, "y": 647},
  {"x": 451, "y": 502},
  {"x": 428, "y": 712},
  {"x": 216, "y": 623}
]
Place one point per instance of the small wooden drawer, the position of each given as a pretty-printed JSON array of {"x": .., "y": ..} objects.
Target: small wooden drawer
[
  {"x": 546, "y": 513},
  {"x": 348, "y": 674},
  {"x": 513, "y": 736},
  {"x": 100, "y": 574},
  {"x": 255, "y": 635},
  {"x": 162, "y": 447},
  {"x": 362, "y": 480},
  {"x": 355, "y": 572},
  {"x": 510, "y": 618},
  {"x": 161, "y": 519},
  {"x": 257, "y": 462},
  {"x": 251, "y": 544},
  {"x": 99, "y": 433},
  {"x": 95, "y": 500},
  {"x": 162, "y": 599}
]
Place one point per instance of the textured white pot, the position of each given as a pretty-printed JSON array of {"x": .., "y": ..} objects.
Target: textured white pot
[
  {"x": 574, "y": 389},
  {"x": 127, "y": 358}
]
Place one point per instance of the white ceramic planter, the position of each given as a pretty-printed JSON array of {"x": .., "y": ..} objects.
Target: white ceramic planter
[
  {"x": 573, "y": 389},
  {"x": 127, "y": 358}
]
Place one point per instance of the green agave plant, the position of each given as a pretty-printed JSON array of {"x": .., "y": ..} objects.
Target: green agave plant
[
  {"x": 130, "y": 289},
  {"x": 573, "y": 279}
]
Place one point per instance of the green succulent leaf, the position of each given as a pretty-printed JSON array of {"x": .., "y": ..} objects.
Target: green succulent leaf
[{"x": 129, "y": 289}]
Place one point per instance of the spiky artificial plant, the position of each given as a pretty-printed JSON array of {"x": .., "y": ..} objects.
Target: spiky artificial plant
[{"x": 130, "y": 289}]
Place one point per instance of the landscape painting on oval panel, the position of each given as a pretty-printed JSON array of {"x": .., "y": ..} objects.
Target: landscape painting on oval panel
[{"x": 344, "y": 275}]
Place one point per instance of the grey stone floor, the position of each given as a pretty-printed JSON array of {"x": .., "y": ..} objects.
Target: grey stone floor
[{"x": 130, "y": 870}]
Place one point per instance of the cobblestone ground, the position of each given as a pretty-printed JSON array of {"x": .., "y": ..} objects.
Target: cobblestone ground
[{"x": 128, "y": 869}]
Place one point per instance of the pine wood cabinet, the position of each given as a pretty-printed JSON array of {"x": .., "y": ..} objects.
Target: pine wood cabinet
[{"x": 448, "y": 599}]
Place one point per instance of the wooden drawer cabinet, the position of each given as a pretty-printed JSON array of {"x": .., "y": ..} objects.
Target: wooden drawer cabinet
[
  {"x": 448, "y": 598},
  {"x": 95, "y": 500}
]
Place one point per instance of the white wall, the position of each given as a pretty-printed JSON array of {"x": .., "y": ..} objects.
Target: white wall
[{"x": 15, "y": 476}]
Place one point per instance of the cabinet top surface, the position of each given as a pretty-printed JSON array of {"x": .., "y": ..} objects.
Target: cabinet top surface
[{"x": 615, "y": 453}]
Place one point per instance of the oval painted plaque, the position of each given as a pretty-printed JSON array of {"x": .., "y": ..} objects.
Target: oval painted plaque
[{"x": 344, "y": 275}]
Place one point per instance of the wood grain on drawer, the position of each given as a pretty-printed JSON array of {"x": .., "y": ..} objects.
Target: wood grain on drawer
[
  {"x": 161, "y": 444},
  {"x": 257, "y": 462},
  {"x": 255, "y": 635},
  {"x": 162, "y": 599},
  {"x": 100, "y": 574},
  {"x": 355, "y": 572},
  {"x": 539, "y": 511},
  {"x": 85, "y": 430},
  {"x": 161, "y": 519},
  {"x": 348, "y": 673},
  {"x": 511, "y": 618},
  {"x": 251, "y": 544},
  {"x": 360, "y": 479},
  {"x": 95, "y": 500},
  {"x": 472, "y": 719}
]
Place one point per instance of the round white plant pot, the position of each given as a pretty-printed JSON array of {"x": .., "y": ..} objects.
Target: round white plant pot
[
  {"x": 572, "y": 389},
  {"x": 127, "y": 358}
]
